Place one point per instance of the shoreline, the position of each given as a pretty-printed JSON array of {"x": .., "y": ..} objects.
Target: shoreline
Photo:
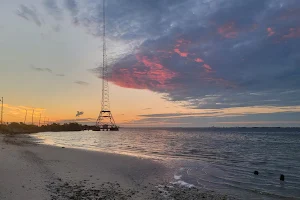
[{"x": 35, "y": 171}]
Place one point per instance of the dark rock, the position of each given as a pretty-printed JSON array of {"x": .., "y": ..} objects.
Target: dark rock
[
  {"x": 282, "y": 177},
  {"x": 62, "y": 147},
  {"x": 256, "y": 172}
]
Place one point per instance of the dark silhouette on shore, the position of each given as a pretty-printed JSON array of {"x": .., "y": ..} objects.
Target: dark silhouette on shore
[{"x": 28, "y": 128}]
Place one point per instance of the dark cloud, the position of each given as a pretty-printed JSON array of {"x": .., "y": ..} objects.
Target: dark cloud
[
  {"x": 209, "y": 54},
  {"x": 81, "y": 83},
  {"x": 42, "y": 69},
  {"x": 234, "y": 54},
  {"x": 53, "y": 9},
  {"x": 171, "y": 115},
  {"x": 72, "y": 6},
  {"x": 56, "y": 28},
  {"x": 50, "y": 71},
  {"x": 29, "y": 14},
  {"x": 269, "y": 119}
]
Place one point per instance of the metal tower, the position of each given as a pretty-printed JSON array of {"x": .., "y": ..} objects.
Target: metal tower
[{"x": 105, "y": 119}]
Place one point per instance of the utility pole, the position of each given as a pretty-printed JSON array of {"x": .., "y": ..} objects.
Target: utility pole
[
  {"x": 1, "y": 110},
  {"x": 40, "y": 119},
  {"x": 25, "y": 117},
  {"x": 32, "y": 116}
]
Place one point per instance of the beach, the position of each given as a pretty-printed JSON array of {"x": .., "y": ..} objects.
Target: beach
[{"x": 40, "y": 172}]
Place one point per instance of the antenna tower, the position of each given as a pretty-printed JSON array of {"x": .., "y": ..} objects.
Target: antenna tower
[{"x": 105, "y": 119}]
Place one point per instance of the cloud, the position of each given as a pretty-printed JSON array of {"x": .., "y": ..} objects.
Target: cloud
[
  {"x": 18, "y": 112},
  {"x": 48, "y": 70},
  {"x": 228, "y": 30},
  {"x": 42, "y": 69},
  {"x": 72, "y": 6},
  {"x": 199, "y": 60},
  {"x": 293, "y": 33},
  {"x": 56, "y": 28},
  {"x": 174, "y": 115},
  {"x": 206, "y": 120},
  {"x": 29, "y": 14},
  {"x": 223, "y": 60},
  {"x": 270, "y": 32},
  {"x": 81, "y": 83},
  {"x": 219, "y": 54},
  {"x": 53, "y": 9},
  {"x": 236, "y": 116}
]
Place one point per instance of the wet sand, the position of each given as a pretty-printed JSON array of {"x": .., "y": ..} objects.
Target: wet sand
[{"x": 39, "y": 172}]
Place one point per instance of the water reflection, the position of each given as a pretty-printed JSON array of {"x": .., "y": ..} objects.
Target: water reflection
[{"x": 218, "y": 160}]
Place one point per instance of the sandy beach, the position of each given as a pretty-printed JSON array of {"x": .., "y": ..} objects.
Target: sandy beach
[{"x": 39, "y": 172}]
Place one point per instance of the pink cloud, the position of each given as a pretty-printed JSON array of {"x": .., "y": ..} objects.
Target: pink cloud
[
  {"x": 207, "y": 68},
  {"x": 293, "y": 33},
  {"x": 148, "y": 73},
  {"x": 270, "y": 32},
  {"x": 228, "y": 30},
  {"x": 199, "y": 60},
  {"x": 179, "y": 44},
  {"x": 182, "y": 54},
  {"x": 290, "y": 13}
]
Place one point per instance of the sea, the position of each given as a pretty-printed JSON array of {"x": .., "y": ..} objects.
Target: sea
[{"x": 214, "y": 159}]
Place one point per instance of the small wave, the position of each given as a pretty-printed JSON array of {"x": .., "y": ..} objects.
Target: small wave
[
  {"x": 177, "y": 177},
  {"x": 182, "y": 183}
]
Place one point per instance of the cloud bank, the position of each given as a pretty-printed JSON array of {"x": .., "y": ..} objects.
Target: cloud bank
[{"x": 209, "y": 54}]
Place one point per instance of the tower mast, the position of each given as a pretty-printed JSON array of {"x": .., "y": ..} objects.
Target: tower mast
[{"x": 105, "y": 119}]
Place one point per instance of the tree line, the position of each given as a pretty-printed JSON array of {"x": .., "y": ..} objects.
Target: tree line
[{"x": 15, "y": 127}]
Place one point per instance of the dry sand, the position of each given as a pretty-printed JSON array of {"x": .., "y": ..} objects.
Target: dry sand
[{"x": 39, "y": 172}]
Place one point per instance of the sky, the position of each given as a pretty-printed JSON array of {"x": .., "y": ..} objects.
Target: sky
[{"x": 187, "y": 63}]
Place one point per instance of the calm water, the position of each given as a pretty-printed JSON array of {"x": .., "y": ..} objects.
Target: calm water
[{"x": 214, "y": 159}]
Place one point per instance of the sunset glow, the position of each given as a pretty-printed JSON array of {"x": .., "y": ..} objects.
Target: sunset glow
[{"x": 159, "y": 62}]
